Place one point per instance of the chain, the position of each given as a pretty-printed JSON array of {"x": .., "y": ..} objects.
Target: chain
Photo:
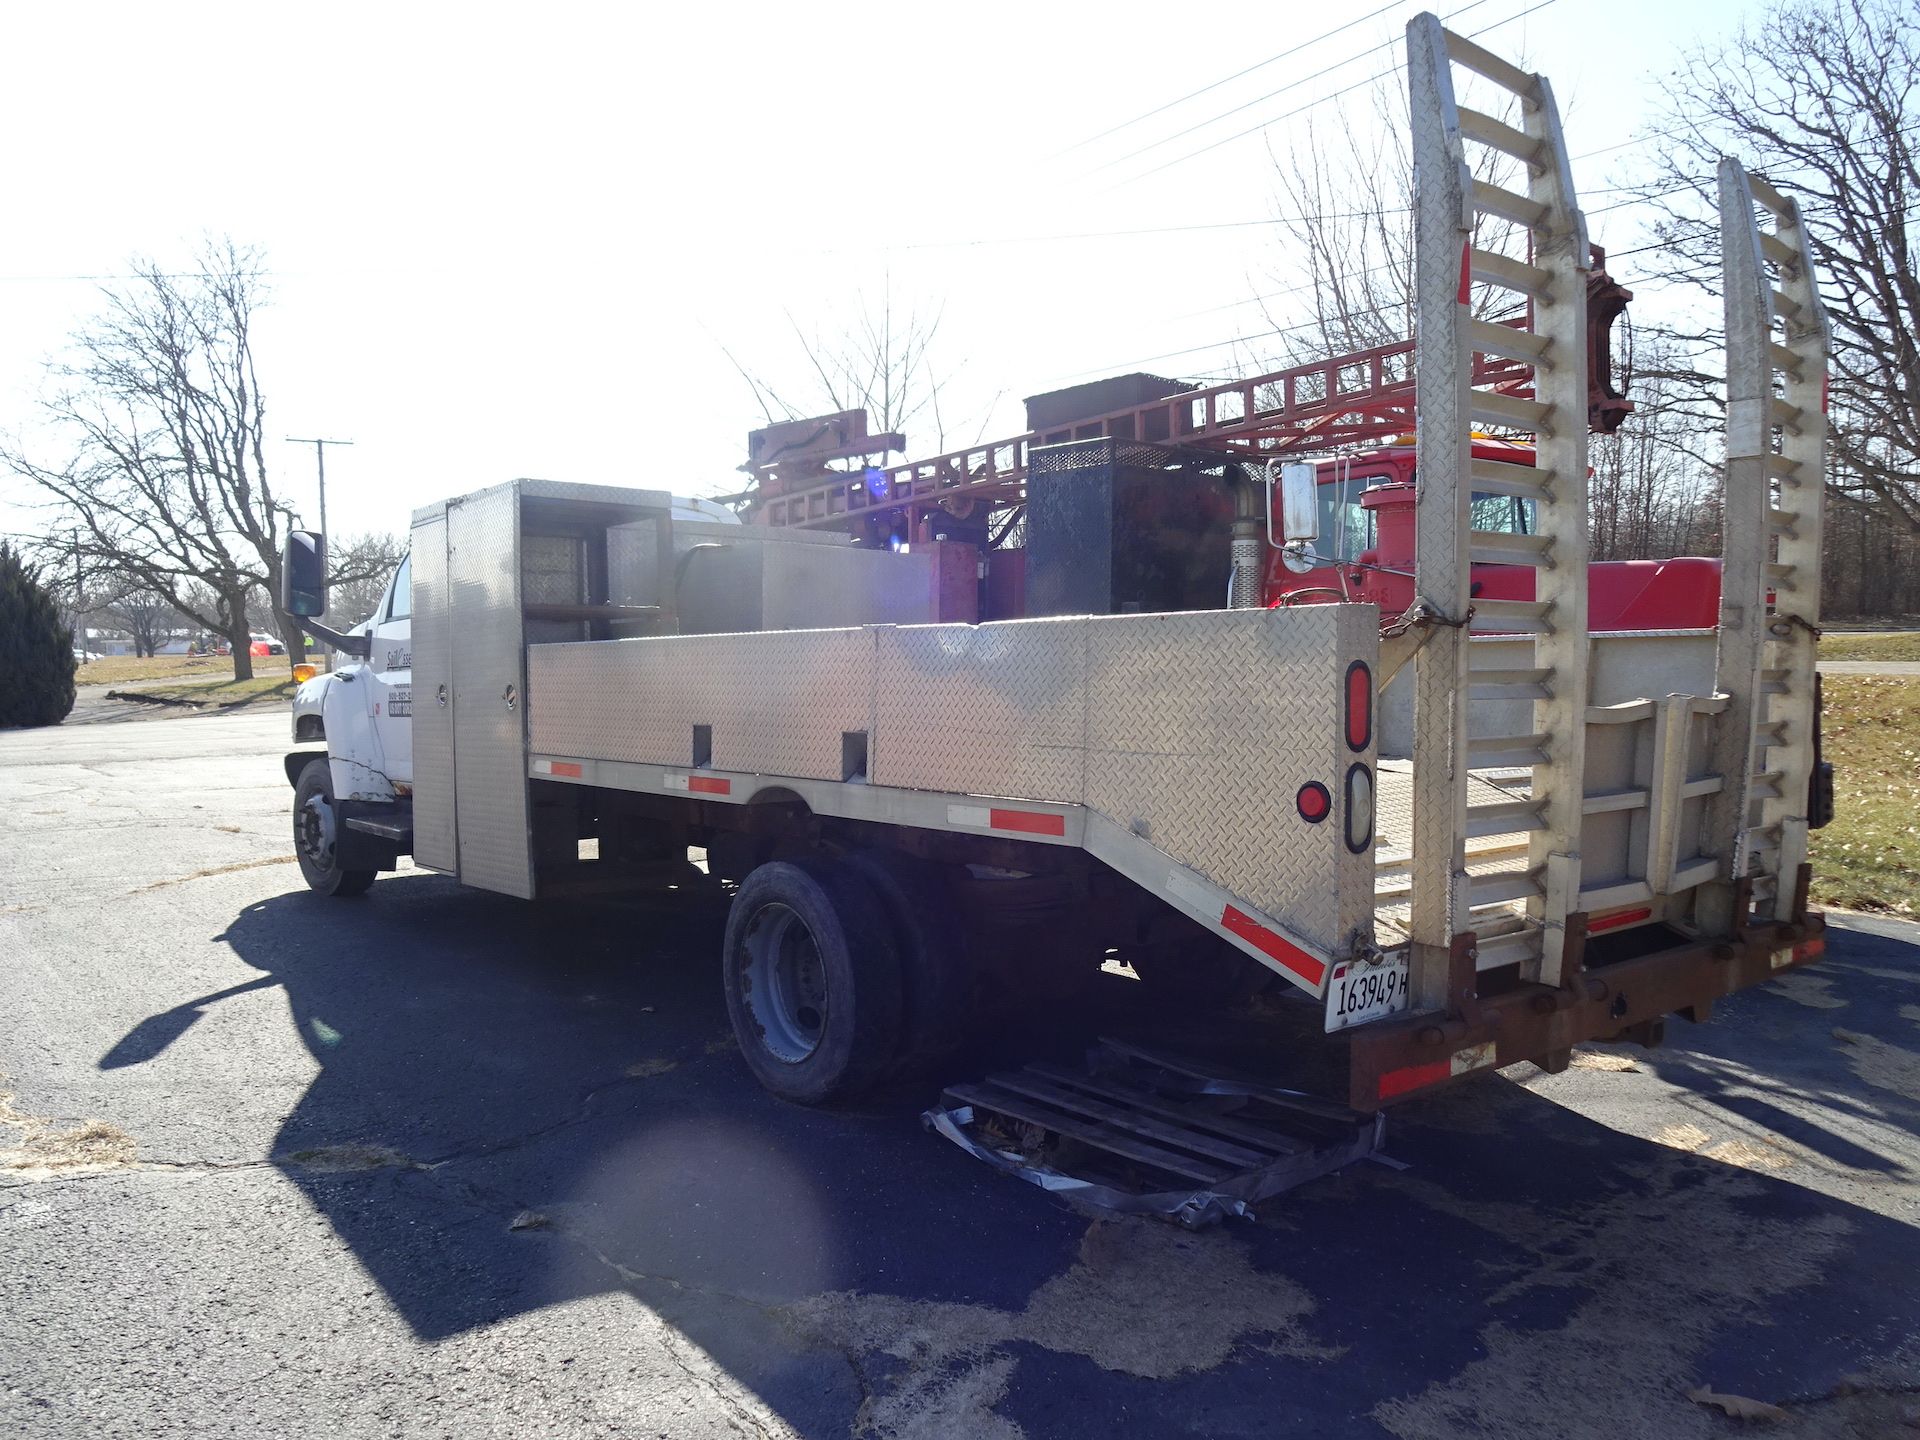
[{"x": 1421, "y": 615}]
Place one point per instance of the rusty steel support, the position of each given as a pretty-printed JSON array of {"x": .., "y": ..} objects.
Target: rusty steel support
[{"x": 1392, "y": 1060}]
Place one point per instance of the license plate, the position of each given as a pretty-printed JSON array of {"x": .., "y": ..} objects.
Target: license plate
[{"x": 1359, "y": 992}]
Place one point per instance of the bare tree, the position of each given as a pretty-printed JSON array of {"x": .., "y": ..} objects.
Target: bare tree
[
  {"x": 1652, "y": 493},
  {"x": 358, "y": 569},
  {"x": 882, "y": 360},
  {"x": 1820, "y": 99},
  {"x": 165, "y": 478},
  {"x": 149, "y": 619},
  {"x": 1344, "y": 207}
]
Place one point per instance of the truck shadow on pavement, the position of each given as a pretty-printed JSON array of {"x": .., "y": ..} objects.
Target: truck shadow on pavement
[{"x": 519, "y": 1106}]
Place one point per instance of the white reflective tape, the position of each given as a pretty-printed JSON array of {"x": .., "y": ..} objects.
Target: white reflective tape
[
  {"x": 1197, "y": 897},
  {"x": 675, "y": 782},
  {"x": 979, "y": 817}
]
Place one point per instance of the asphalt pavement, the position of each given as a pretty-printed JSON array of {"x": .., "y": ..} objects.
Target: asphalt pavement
[{"x": 433, "y": 1162}]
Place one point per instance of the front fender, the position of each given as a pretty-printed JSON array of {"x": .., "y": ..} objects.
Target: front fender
[
  {"x": 353, "y": 742},
  {"x": 309, "y": 709}
]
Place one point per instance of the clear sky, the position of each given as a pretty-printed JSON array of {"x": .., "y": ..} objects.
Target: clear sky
[{"x": 515, "y": 240}]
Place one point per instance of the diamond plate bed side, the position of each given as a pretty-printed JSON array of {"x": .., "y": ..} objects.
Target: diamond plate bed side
[
  {"x": 435, "y": 843},
  {"x": 777, "y": 703},
  {"x": 994, "y": 709},
  {"x": 1202, "y": 730},
  {"x": 489, "y": 680}
]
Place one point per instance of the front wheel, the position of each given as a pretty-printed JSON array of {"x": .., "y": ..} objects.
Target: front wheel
[
  {"x": 813, "y": 980},
  {"x": 316, "y": 834}
]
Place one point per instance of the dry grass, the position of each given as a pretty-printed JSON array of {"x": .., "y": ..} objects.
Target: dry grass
[
  {"x": 1869, "y": 858},
  {"x": 42, "y": 1148},
  {"x": 120, "y": 669},
  {"x": 1894, "y": 645},
  {"x": 213, "y": 870}
]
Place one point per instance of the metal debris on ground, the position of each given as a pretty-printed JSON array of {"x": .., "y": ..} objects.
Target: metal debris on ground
[{"x": 1145, "y": 1134}]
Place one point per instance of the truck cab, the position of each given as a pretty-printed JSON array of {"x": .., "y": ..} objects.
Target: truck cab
[
  {"x": 1365, "y": 550},
  {"x": 363, "y": 709}
]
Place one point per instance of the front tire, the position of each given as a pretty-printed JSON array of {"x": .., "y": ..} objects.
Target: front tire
[
  {"x": 813, "y": 980},
  {"x": 316, "y": 831}
]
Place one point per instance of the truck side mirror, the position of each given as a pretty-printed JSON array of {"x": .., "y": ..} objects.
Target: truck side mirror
[
  {"x": 1299, "y": 502},
  {"x": 303, "y": 574}
]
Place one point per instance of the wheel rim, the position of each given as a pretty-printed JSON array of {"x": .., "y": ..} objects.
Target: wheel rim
[
  {"x": 313, "y": 831},
  {"x": 785, "y": 984}
]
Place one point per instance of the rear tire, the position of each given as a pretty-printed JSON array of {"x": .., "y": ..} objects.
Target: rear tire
[
  {"x": 936, "y": 980},
  {"x": 812, "y": 979},
  {"x": 316, "y": 822}
]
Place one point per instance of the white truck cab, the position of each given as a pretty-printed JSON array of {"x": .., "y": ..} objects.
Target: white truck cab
[{"x": 363, "y": 709}]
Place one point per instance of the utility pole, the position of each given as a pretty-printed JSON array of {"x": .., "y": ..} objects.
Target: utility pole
[
  {"x": 79, "y": 595},
  {"x": 320, "y": 459}
]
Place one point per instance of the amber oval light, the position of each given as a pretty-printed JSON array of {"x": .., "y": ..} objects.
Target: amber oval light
[{"x": 304, "y": 672}]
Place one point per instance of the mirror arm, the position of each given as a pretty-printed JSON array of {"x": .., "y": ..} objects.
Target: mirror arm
[{"x": 357, "y": 645}]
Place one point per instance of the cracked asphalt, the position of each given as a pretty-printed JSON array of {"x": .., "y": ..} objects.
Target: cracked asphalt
[{"x": 440, "y": 1163}]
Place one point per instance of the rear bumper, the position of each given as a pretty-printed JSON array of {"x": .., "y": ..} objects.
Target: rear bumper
[{"x": 1629, "y": 1000}]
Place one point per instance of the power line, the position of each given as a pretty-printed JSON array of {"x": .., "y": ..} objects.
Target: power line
[
  {"x": 1353, "y": 314},
  {"x": 1331, "y": 95},
  {"x": 1121, "y": 234},
  {"x": 1388, "y": 44},
  {"x": 1293, "y": 85},
  {"x": 97, "y": 279},
  {"x": 1228, "y": 80}
]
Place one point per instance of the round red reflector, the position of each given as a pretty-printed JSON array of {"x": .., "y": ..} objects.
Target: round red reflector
[{"x": 1315, "y": 802}]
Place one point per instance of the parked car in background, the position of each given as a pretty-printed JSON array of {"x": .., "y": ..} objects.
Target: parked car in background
[{"x": 266, "y": 645}]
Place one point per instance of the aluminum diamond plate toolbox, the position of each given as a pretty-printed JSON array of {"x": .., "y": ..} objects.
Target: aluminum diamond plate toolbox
[
  {"x": 1237, "y": 743},
  {"x": 435, "y": 844},
  {"x": 994, "y": 709},
  {"x": 489, "y": 746},
  {"x": 775, "y": 703},
  {"x": 1202, "y": 730}
]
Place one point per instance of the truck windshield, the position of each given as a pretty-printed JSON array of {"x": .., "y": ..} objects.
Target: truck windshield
[
  {"x": 1503, "y": 514},
  {"x": 1346, "y": 529},
  {"x": 402, "y": 606}
]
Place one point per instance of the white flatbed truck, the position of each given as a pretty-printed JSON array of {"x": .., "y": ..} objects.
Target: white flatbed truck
[{"x": 1581, "y": 835}]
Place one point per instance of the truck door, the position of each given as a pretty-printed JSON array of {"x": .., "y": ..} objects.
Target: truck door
[{"x": 390, "y": 668}]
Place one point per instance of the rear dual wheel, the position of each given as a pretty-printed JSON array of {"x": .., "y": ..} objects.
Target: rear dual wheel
[
  {"x": 842, "y": 972},
  {"x": 813, "y": 980}
]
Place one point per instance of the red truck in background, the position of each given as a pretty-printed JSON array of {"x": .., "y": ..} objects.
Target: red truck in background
[{"x": 1365, "y": 550}]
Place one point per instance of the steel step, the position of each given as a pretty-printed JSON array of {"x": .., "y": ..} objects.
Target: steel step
[{"x": 1143, "y": 1133}]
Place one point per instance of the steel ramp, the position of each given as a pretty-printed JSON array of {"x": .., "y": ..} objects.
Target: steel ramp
[
  {"x": 1147, "y": 1134},
  {"x": 1777, "y": 356}
]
